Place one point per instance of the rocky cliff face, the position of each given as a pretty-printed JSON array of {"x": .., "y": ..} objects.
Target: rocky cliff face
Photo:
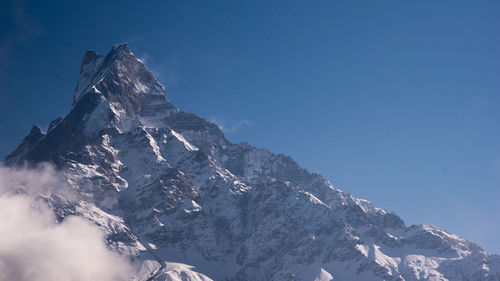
[{"x": 170, "y": 191}]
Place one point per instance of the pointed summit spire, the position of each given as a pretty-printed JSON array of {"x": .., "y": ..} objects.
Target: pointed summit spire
[
  {"x": 121, "y": 79},
  {"x": 120, "y": 48},
  {"x": 95, "y": 67},
  {"x": 116, "y": 51}
]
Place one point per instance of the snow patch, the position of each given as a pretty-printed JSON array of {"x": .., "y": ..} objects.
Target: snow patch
[{"x": 188, "y": 146}]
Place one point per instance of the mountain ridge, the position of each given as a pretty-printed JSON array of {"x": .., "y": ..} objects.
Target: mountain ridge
[{"x": 167, "y": 186}]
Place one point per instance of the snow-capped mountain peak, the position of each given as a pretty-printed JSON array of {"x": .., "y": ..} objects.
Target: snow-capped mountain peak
[{"x": 167, "y": 187}]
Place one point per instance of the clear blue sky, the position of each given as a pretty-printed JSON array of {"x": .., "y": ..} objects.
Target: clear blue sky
[{"x": 394, "y": 101}]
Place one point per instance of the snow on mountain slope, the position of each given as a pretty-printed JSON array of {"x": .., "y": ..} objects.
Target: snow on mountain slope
[{"x": 170, "y": 190}]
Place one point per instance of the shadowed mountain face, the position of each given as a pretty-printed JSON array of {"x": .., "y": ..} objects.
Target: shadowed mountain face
[{"x": 167, "y": 188}]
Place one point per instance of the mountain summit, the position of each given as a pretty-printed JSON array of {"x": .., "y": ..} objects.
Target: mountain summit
[
  {"x": 173, "y": 194},
  {"x": 123, "y": 80}
]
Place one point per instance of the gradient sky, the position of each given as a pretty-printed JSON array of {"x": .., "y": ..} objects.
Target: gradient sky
[{"x": 394, "y": 101}]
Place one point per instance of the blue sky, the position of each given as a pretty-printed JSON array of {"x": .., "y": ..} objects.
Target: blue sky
[{"x": 394, "y": 101}]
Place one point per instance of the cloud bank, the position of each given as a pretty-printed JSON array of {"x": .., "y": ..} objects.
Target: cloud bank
[{"x": 33, "y": 246}]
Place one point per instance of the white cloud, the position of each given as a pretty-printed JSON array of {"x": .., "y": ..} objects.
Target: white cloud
[
  {"x": 33, "y": 246},
  {"x": 230, "y": 128},
  {"x": 144, "y": 58},
  {"x": 42, "y": 180}
]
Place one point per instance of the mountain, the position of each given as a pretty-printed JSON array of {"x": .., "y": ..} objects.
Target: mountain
[{"x": 173, "y": 194}]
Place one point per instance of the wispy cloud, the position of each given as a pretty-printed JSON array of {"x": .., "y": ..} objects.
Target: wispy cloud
[
  {"x": 227, "y": 127},
  {"x": 144, "y": 58},
  {"x": 157, "y": 71},
  {"x": 165, "y": 68}
]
